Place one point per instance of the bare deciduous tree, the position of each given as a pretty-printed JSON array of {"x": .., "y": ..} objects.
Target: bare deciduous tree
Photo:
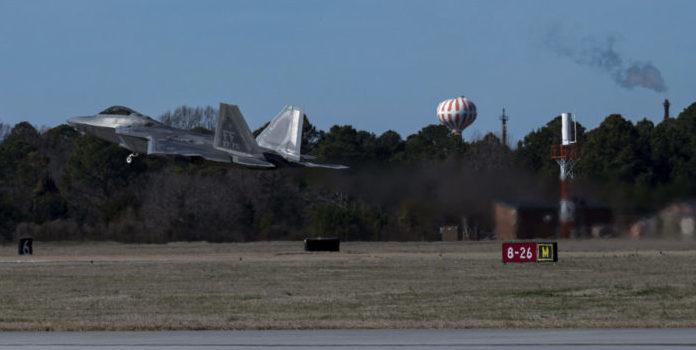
[
  {"x": 186, "y": 117},
  {"x": 4, "y": 130}
]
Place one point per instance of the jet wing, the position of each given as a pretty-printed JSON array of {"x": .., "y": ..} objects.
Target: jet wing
[
  {"x": 252, "y": 162},
  {"x": 161, "y": 141},
  {"x": 170, "y": 141},
  {"x": 320, "y": 165}
]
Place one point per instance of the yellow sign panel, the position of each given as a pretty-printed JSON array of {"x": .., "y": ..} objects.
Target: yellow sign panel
[{"x": 546, "y": 252}]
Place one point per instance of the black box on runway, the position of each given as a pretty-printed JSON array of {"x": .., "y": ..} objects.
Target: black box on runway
[{"x": 322, "y": 244}]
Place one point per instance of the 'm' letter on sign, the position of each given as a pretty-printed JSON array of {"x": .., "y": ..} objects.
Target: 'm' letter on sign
[{"x": 547, "y": 252}]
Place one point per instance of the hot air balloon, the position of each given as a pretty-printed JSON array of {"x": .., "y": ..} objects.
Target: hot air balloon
[{"x": 456, "y": 114}]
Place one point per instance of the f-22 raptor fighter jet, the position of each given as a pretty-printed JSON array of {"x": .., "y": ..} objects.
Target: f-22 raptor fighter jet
[{"x": 278, "y": 144}]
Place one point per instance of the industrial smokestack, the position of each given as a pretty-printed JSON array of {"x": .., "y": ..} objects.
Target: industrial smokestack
[{"x": 666, "y": 105}]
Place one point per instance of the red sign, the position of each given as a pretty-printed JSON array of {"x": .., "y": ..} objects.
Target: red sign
[{"x": 519, "y": 252}]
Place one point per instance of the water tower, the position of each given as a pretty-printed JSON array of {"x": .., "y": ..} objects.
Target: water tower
[{"x": 456, "y": 114}]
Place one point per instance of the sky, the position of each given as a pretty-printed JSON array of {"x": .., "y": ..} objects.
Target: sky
[{"x": 376, "y": 65}]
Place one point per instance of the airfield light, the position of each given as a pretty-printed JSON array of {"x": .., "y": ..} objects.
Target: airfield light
[{"x": 566, "y": 156}]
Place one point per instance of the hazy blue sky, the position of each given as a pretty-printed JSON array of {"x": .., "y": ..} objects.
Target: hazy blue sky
[{"x": 377, "y": 65}]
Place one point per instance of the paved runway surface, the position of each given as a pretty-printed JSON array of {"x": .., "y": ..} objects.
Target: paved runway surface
[{"x": 357, "y": 339}]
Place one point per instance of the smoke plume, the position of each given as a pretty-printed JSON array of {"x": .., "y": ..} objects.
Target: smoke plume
[{"x": 602, "y": 55}]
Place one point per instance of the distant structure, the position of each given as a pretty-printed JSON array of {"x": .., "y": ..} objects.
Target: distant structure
[
  {"x": 539, "y": 219},
  {"x": 566, "y": 155},
  {"x": 524, "y": 220},
  {"x": 456, "y": 114},
  {"x": 666, "y": 106},
  {"x": 449, "y": 233},
  {"x": 503, "y": 131}
]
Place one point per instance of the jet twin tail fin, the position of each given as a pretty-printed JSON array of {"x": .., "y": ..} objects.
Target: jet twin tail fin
[
  {"x": 284, "y": 134},
  {"x": 232, "y": 134}
]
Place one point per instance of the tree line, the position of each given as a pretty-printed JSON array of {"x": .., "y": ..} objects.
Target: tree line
[{"x": 56, "y": 184}]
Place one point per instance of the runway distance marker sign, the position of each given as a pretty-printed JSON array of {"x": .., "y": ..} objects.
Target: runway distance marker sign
[{"x": 523, "y": 252}]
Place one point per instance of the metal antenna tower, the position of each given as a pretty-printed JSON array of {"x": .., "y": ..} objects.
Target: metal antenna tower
[{"x": 503, "y": 134}]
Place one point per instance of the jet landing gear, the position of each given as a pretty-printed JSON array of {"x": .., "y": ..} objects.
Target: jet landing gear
[{"x": 130, "y": 158}]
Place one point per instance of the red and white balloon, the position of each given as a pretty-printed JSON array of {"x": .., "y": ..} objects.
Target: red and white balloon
[{"x": 456, "y": 113}]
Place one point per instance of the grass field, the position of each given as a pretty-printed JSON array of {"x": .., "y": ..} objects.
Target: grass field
[{"x": 109, "y": 286}]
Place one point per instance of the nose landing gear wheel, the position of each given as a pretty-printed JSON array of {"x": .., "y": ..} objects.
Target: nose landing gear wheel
[{"x": 130, "y": 157}]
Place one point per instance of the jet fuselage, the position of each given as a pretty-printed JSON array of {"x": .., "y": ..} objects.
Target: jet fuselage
[{"x": 104, "y": 125}]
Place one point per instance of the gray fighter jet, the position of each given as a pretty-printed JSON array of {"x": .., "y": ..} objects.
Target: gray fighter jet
[{"x": 278, "y": 144}]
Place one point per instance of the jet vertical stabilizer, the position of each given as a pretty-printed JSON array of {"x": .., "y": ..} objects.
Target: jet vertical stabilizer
[
  {"x": 232, "y": 134},
  {"x": 284, "y": 134}
]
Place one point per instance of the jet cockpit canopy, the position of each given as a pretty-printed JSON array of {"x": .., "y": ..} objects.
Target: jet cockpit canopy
[{"x": 120, "y": 110}]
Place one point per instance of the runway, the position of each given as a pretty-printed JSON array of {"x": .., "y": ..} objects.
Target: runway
[{"x": 357, "y": 339}]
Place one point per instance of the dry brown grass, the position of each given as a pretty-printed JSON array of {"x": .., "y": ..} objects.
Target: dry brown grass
[{"x": 108, "y": 286}]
